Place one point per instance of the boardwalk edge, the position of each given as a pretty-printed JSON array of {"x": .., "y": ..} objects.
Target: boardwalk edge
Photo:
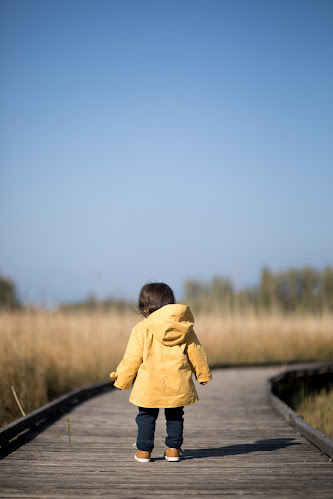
[
  {"x": 57, "y": 406},
  {"x": 314, "y": 436}
]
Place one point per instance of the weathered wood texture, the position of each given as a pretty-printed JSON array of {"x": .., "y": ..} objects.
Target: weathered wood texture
[
  {"x": 59, "y": 405},
  {"x": 235, "y": 445}
]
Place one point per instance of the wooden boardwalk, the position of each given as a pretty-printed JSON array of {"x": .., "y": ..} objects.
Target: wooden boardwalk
[{"x": 235, "y": 445}]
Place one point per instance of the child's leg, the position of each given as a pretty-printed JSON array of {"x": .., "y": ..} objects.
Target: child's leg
[
  {"x": 174, "y": 426},
  {"x": 146, "y": 421}
]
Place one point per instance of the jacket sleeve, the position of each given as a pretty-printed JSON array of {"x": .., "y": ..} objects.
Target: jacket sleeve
[
  {"x": 198, "y": 358},
  {"x": 131, "y": 362}
]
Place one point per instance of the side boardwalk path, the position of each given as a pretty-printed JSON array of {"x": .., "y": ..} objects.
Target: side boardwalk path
[{"x": 235, "y": 445}]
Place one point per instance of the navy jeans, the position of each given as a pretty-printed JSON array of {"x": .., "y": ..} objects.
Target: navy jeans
[{"x": 146, "y": 421}]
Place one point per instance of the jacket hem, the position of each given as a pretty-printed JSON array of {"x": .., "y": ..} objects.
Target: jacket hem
[{"x": 181, "y": 403}]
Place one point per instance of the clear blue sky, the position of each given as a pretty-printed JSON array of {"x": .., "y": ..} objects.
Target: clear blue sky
[{"x": 163, "y": 140}]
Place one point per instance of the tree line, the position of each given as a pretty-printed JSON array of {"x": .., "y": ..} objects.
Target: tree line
[
  {"x": 8, "y": 294},
  {"x": 293, "y": 290}
]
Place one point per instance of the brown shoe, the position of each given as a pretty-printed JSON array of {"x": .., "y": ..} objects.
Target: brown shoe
[
  {"x": 143, "y": 456},
  {"x": 172, "y": 455}
]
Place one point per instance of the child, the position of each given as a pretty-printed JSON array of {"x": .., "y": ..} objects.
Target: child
[{"x": 162, "y": 353}]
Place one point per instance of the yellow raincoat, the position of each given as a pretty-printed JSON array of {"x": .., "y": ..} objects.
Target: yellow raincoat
[{"x": 162, "y": 353}]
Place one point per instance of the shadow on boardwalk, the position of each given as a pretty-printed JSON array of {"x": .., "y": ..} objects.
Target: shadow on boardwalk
[{"x": 268, "y": 445}]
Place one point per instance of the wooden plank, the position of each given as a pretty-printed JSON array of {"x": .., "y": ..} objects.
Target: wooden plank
[
  {"x": 235, "y": 445},
  {"x": 16, "y": 427}
]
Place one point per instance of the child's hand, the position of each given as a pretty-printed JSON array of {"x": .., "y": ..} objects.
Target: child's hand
[{"x": 203, "y": 382}]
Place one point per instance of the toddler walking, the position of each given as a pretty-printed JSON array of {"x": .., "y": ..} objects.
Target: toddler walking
[{"x": 162, "y": 352}]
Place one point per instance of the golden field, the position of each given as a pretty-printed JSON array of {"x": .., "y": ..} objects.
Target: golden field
[
  {"x": 317, "y": 411},
  {"x": 45, "y": 354}
]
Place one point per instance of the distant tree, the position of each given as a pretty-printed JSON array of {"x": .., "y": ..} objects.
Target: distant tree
[
  {"x": 8, "y": 297},
  {"x": 266, "y": 289},
  {"x": 294, "y": 287},
  {"x": 221, "y": 293},
  {"x": 198, "y": 294},
  {"x": 326, "y": 286},
  {"x": 92, "y": 304},
  {"x": 310, "y": 279},
  {"x": 299, "y": 290},
  {"x": 246, "y": 299}
]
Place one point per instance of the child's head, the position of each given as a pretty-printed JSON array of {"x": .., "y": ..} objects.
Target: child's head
[{"x": 154, "y": 296}]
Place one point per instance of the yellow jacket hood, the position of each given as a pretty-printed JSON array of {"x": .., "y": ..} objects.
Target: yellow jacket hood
[{"x": 171, "y": 324}]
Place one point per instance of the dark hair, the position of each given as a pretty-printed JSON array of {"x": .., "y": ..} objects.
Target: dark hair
[{"x": 154, "y": 296}]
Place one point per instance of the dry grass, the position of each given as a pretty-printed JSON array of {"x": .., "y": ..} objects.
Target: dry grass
[
  {"x": 248, "y": 339},
  {"x": 317, "y": 410},
  {"x": 44, "y": 355}
]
